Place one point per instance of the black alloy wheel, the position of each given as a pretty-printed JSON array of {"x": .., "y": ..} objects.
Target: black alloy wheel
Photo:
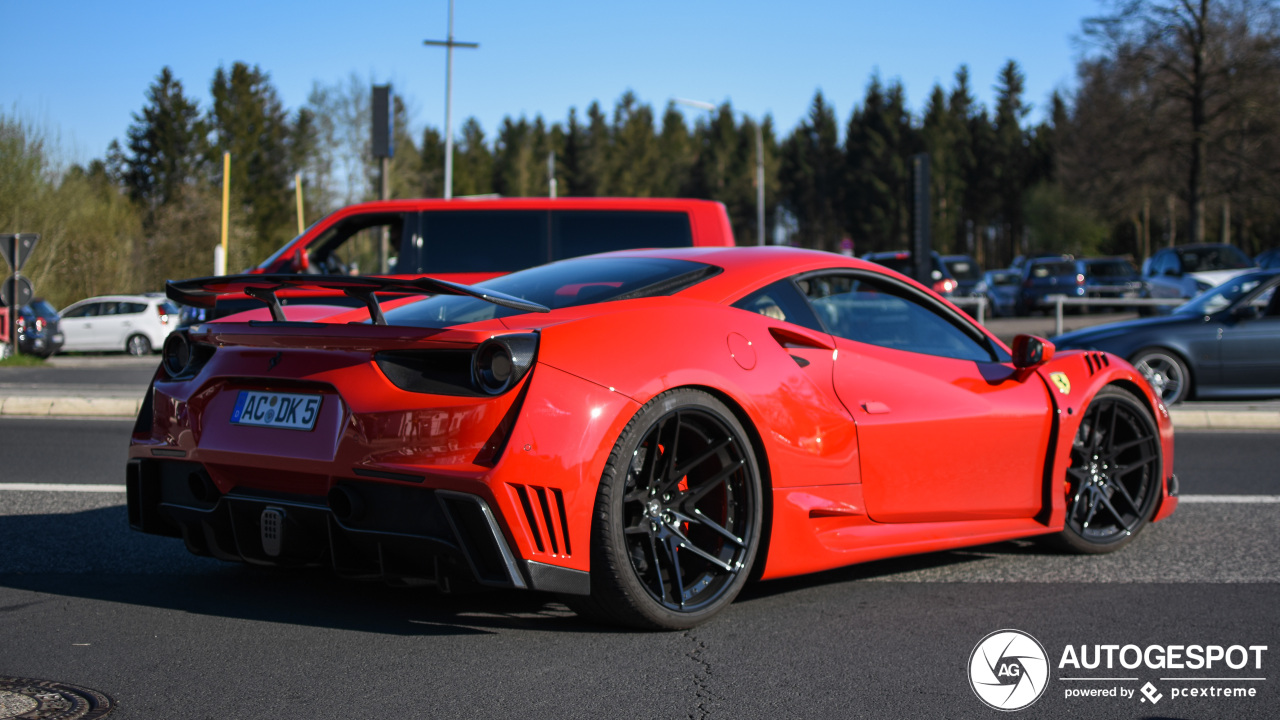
[
  {"x": 678, "y": 516},
  {"x": 1115, "y": 476}
]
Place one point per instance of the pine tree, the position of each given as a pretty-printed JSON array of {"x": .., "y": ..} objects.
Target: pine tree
[
  {"x": 811, "y": 177},
  {"x": 1012, "y": 158},
  {"x": 250, "y": 122},
  {"x": 166, "y": 145},
  {"x": 472, "y": 162}
]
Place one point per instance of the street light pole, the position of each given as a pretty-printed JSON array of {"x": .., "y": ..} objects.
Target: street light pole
[
  {"x": 449, "y": 44},
  {"x": 710, "y": 107}
]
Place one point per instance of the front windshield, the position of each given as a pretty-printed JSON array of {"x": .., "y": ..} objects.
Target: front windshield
[
  {"x": 1205, "y": 259},
  {"x": 568, "y": 283},
  {"x": 1211, "y": 301}
]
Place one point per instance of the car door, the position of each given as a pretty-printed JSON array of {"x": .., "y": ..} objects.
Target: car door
[
  {"x": 946, "y": 429},
  {"x": 1250, "y": 344},
  {"x": 78, "y": 326}
]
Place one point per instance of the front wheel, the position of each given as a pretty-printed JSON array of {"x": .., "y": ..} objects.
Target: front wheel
[
  {"x": 1165, "y": 371},
  {"x": 677, "y": 517},
  {"x": 1115, "y": 476},
  {"x": 138, "y": 346}
]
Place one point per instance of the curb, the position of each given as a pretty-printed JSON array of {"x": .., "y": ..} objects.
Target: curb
[
  {"x": 1225, "y": 419},
  {"x": 91, "y": 407},
  {"x": 120, "y": 407}
]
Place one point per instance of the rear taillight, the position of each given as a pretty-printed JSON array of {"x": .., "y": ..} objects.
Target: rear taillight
[
  {"x": 40, "y": 324},
  {"x": 945, "y": 286},
  {"x": 1079, "y": 279},
  {"x": 22, "y": 324},
  {"x": 164, "y": 316}
]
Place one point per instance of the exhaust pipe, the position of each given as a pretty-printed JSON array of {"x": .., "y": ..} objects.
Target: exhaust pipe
[{"x": 345, "y": 503}]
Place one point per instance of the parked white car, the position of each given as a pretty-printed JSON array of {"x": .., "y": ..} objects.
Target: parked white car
[{"x": 136, "y": 324}]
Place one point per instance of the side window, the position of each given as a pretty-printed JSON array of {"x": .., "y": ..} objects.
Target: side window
[
  {"x": 128, "y": 308},
  {"x": 881, "y": 313},
  {"x": 457, "y": 241},
  {"x": 781, "y": 301},
  {"x": 108, "y": 308},
  {"x": 583, "y": 232},
  {"x": 350, "y": 247},
  {"x": 82, "y": 311}
]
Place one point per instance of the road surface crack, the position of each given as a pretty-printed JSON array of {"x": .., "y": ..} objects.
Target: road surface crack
[{"x": 704, "y": 696}]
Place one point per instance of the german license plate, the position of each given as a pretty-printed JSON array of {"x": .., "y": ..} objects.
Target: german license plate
[{"x": 278, "y": 410}]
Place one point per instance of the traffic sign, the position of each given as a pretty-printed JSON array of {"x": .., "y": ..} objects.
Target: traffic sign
[
  {"x": 25, "y": 291},
  {"x": 16, "y": 248}
]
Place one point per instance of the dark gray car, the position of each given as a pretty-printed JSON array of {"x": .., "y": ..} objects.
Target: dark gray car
[{"x": 1224, "y": 343}]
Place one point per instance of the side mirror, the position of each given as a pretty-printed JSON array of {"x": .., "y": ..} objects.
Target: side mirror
[
  {"x": 1247, "y": 312},
  {"x": 1030, "y": 351},
  {"x": 301, "y": 262}
]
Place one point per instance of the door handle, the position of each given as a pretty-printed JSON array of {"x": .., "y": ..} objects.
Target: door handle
[{"x": 874, "y": 407}]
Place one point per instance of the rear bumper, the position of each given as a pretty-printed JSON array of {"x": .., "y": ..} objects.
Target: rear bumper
[{"x": 362, "y": 529}]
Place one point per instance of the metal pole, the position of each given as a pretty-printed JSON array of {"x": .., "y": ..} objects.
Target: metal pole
[
  {"x": 297, "y": 191},
  {"x": 759, "y": 185},
  {"x": 13, "y": 300},
  {"x": 551, "y": 174},
  {"x": 226, "y": 198},
  {"x": 1057, "y": 327},
  {"x": 448, "y": 112},
  {"x": 449, "y": 45},
  {"x": 384, "y": 235}
]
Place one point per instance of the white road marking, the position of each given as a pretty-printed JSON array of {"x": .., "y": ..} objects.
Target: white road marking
[
  {"x": 62, "y": 487},
  {"x": 1232, "y": 499}
]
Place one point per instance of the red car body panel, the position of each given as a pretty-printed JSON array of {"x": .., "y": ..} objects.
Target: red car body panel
[
  {"x": 866, "y": 452},
  {"x": 709, "y": 222}
]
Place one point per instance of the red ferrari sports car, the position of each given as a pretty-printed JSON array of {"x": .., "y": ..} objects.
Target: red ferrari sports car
[{"x": 641, "y": 432}]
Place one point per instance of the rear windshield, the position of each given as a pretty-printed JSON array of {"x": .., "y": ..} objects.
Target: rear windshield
[
  {"x": 1053, "y": 269},
  {"x": 1225, "y": 257},
  {"x": 964, "y": 269},
  {"x": 44, "y": 309},
  {"x": 1111, "y": 268},
  {"x": 559, "y": 285}
]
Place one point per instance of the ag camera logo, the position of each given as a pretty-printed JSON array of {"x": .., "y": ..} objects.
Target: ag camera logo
[{"x": 1008, "y": 670}]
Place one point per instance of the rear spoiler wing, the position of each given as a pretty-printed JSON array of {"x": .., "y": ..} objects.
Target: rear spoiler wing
[{"x": 204, "y": 292}]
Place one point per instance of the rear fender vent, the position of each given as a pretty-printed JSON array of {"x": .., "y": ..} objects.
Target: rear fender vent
[{"x": 545, "y": 515}]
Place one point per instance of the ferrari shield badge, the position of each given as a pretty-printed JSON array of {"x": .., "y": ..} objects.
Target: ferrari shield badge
[{"x": 1062, "y": 381}]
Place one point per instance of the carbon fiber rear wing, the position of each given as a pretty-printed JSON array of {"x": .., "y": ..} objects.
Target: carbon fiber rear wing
[{"x": 204, "y": 292}]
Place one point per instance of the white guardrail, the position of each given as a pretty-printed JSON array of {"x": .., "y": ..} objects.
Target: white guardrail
[
  {"x": 967, "y": 302},
  {"x": 1061, "y": 301}
]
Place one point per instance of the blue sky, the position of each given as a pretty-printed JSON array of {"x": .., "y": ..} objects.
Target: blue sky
[{"x": 80, "y": 69}]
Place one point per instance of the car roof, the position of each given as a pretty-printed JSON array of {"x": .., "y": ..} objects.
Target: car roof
[
  {"x": 122, "y": 298},
  {"x": 749, "y": 267},
  {"x": 529, "y": 203}
]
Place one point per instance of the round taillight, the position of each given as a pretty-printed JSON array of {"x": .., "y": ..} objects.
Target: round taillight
[
  {"x": 494, "y": 368},
  {"x": 176, "y": 355}
]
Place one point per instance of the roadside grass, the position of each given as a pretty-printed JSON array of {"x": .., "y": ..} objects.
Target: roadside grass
[{"x": 22, "y": 361}]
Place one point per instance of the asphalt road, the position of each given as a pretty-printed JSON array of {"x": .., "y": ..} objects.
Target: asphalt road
[{"x": 85, "y": 601}]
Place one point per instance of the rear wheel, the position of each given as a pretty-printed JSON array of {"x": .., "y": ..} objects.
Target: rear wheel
[
  {"x": 1115, "y": 476},
  {"x": 138, "y": 345},
  {"x": 677, "y": 518}
]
